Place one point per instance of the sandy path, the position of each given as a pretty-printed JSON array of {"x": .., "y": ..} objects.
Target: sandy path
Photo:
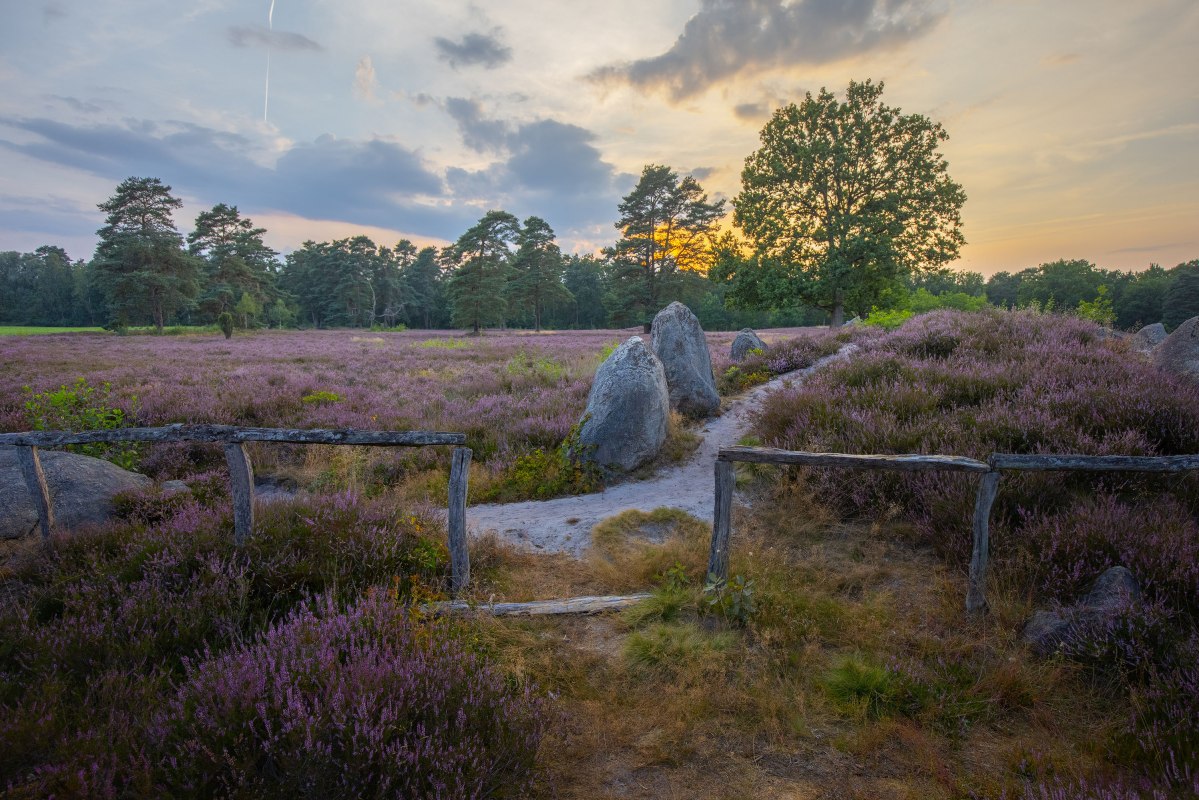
[{"x": 565, "y": 524}]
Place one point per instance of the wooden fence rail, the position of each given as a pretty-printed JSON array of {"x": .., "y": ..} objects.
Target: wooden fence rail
[
  {"x": 976, "y": 599},
  {"x": 241, "y": 469}
]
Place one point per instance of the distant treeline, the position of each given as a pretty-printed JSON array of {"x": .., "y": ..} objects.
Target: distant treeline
[{"x": 501, "y": 272}]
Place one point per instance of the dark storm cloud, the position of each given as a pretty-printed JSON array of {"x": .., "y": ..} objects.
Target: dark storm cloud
[
  {"x": 257, "y": 36},
  {"x": 474, "y": 49},
  {"x": 727, "y": 38},
  {"x": 371, "y": 182}
]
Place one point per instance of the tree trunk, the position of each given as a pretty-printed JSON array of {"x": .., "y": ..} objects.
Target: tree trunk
[{"x": 838, "y": 309}]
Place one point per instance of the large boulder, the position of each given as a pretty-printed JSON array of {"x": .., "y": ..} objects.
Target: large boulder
[
  {"x": 680, "y": 345},
  {"x": 746, "y": 340},
  {"x": 625, "y": 423},
  {"x": 1179, "y": 352},
  {"x": 81, "y": 490},
  {"x": 1114, "y": 593},
  {"x": 1149, "y": 337}
]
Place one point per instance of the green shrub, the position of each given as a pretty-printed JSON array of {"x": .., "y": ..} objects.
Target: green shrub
[
  {"x": 321, "y": 398},
  {"x": 860, "y": 688},
  {"x": 225, "y": 323},
  {"x": 82, "y": 407}
]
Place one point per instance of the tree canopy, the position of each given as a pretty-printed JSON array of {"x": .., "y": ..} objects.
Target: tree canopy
[
  {"x": 841, "y": 200},
  {"x": 667, "y": 226}
]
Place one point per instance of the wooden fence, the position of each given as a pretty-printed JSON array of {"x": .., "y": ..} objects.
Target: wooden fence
[
  {"x": 241, "y": 470},
  {"x": 976, "y": 600}
]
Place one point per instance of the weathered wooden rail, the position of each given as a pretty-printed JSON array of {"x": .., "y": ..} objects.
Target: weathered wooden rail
[
  {"x": 241, "y": 469},
  {"x": 988, "y": 489}
]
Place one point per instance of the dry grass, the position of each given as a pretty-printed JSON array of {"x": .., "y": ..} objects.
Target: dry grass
[{"x": 671, "y": 699}]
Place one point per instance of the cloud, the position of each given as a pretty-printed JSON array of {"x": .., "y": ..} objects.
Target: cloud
[
  {"x": 729, "y": 38},
  {"x": 373, "y": 182},
  {"x": 365, "y": 80},
  {"x": 474, "y": 49},
  {"x": 546, "y": 167},
  {"x": 751, "y": 112},
  {"x": 75, "y": 104},
  {"x": 478, "y": 133},
  {"x": 257, "y": 36}
]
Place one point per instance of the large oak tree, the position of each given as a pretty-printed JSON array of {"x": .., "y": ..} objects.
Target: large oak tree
[{"x": 842, "y": 199}]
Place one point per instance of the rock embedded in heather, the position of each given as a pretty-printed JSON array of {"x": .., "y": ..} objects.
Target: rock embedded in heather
[
  {"x": 628, "y": 408},
  {"x": 1149, "y": 337},
  {"x": 81, "y": 489},
  {"x": 1179, "y": 352},
  {"x": 1113, "y": 595},
  {"x": 746, "y": 340},
  {"x": 680, "y": 345}
]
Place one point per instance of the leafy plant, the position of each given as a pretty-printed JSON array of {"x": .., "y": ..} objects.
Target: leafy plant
[
  {"x": 83, "y": 407},
  {"x": 733, "y": 600},
  {"x": 225, "y": 322},
  {"x": 321, "y": 398}
]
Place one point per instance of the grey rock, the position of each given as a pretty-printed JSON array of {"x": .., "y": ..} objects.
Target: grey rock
[
  {"x": 1113, "y": 593},
  {"x": 628, "y": 408},
  {"x": 680, "y": 345},
  {"x": 81, "y": 490},
  {"x": 1149, "y": 337},
  {"x": 174, "y": 487},
  {"x": 1179, "y": 352},
  {"x": 854, "y": 321},
  {"x": 746, "y": 340}
]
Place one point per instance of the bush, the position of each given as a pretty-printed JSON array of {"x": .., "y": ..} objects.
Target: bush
[
  {"x": 82, "y": 407},
  {"x": 96, "y": 631},
  {"x": 224, "y": 321},
  {"x": 364, "y": 702}
]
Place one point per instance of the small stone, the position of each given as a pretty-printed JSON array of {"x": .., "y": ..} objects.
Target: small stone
[
  {"x": 1179, "y": 352},
  {"x": 1112, "y": 595},
  {"x": 746, "y": 340}
]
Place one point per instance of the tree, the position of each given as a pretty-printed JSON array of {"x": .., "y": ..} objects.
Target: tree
[
  {"x": 537, "y": 270},
  {"x": 426, "y": 290},
  {"x": 1063, "y": 284},
  {"x": 1182, "y": 298},
  {"x": 482, "y": 257},
  {"x": 1141, "y": 301},
  {"x": 583, "y": 277},
  {"x": 667, "y": 227},
  {"x": 237, "y": 261},
  {"x": 140, "y": 263},
  {"x": 841, "y": 200}
]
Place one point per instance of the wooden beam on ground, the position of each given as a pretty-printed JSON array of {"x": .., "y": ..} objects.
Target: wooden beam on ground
[
  {"x": 913, "y": 462},
  {"x": 459, "y": 485},
  {"x": 241, "y": 479},
  {"x": 541, "y": 608},
  {"x": 1017, "y": 461},
  {"x": 35, "y": 479},
  {"x": 722, "y": 521},
  {"x": 231, "y": 433},
  {"x": 976, "y": 593}
]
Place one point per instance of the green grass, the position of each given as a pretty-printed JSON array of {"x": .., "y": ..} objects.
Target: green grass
[{"x": 34, "y": 330}]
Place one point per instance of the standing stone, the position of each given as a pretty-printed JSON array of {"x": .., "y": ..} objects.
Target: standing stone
[
  {"x": 746, "y": 340},
  {"x": 627, "y": 410},
  {"x": 679, "y": 343},
  {"x": 1149, "y": 337},
  {"x": 1179, "y": 353},
  {"x": 81, "y": 490}
]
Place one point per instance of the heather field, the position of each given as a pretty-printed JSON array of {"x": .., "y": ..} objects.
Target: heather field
[
  {"x": 514, "y": 394},
  {"x": 151, "y": 657}
]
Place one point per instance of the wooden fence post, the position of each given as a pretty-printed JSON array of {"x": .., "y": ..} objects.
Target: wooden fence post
[
  {"x": 459, "y": 484},
  {"x": 976, "y": 594},
  {"x": 722, "y": 521},
  {"x": 35, "y": 479},
  {"x": 241, "y": 474}
]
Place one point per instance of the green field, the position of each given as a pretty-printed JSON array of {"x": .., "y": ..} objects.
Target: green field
[{"x": 34, "y": 330}]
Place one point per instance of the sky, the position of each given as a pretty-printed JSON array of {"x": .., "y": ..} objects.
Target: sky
[{"x": 1073, "y": 124}]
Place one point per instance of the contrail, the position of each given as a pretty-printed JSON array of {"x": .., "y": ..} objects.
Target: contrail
[{"x": 270, "y": 23}]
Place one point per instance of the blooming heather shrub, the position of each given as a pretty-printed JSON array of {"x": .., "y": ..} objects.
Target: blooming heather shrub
[
  {"x": 973, "y": 384},
  {"x": 96, "y": 628},
  {"x": 784, "y": 356},
  {"x": 363, "y": 702}
]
